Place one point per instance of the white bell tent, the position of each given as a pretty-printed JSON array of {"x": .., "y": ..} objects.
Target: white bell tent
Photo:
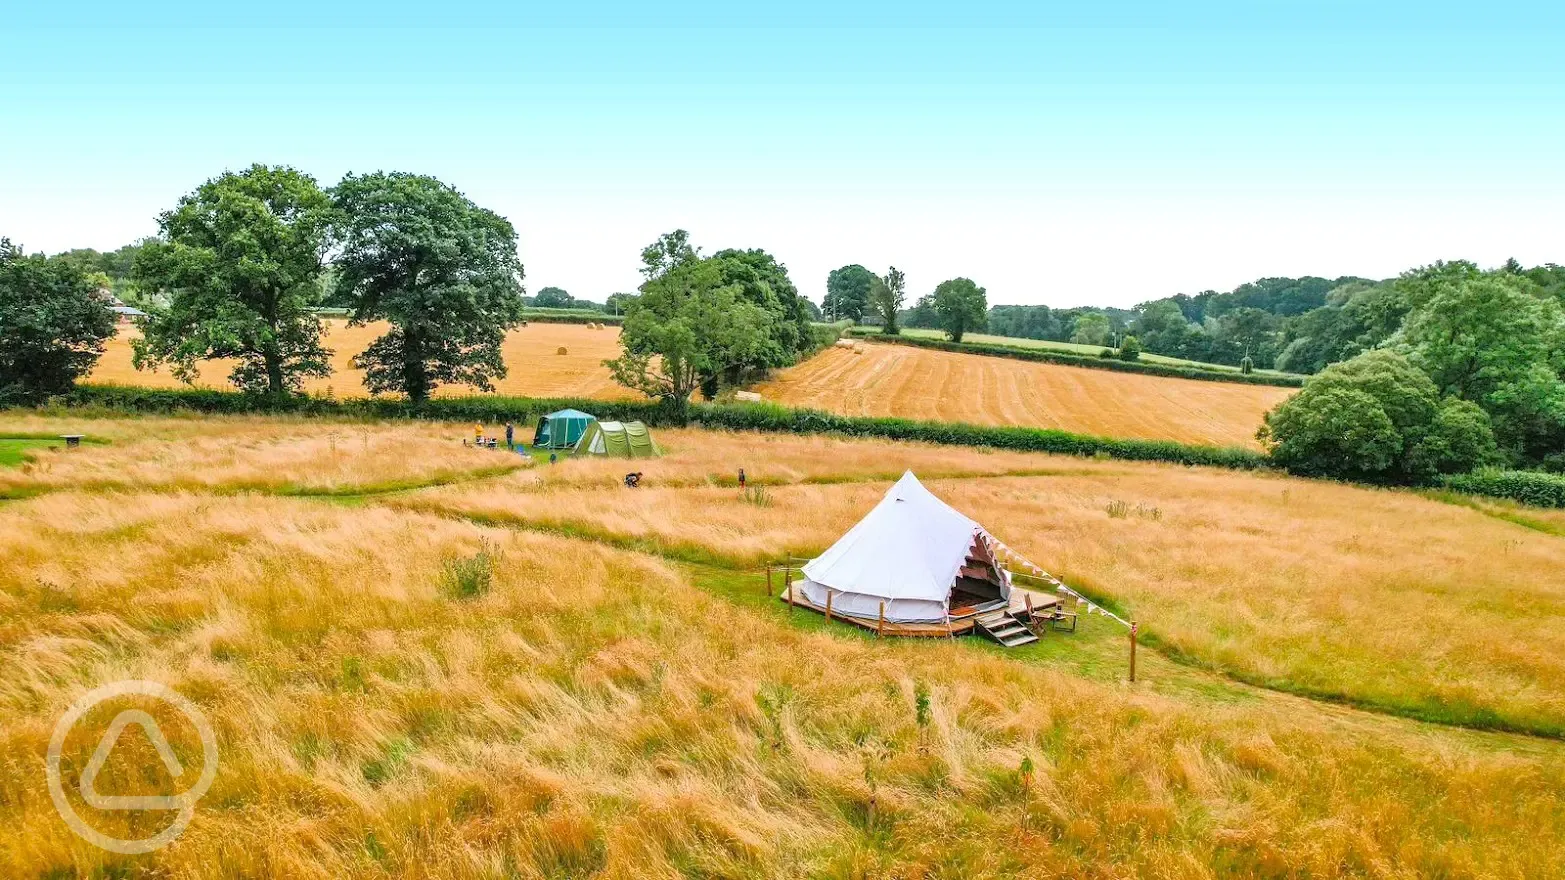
[{"x": 916, "y": 555}]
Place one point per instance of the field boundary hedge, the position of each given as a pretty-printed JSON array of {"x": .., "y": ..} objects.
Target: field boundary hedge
[
  {"x": 533, "y": 316},
  {"x": 1047, "y": 356},
  {"x": 733, "y": 416},
  {"x": 1534, "y": 488}
]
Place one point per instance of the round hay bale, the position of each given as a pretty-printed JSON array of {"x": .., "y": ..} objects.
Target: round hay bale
[{"x": 561, "y": 350}]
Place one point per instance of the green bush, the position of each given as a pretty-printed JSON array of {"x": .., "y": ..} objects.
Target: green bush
[
  {"x": 1377, "y": 418},
  {"x": 1528, "y": 487},
  {"x": 1129, "y": 349},
  {"x": 756, "y": 495},
  {"x": 1105, "y": 360},
  {"x": 472, "y": 576}
]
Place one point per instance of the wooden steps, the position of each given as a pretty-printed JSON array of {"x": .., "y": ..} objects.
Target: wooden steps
[{"x": 1001, "y": 627}]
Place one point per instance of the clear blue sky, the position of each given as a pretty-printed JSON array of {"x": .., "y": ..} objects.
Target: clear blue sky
[{"x": 1057, "y": 153}]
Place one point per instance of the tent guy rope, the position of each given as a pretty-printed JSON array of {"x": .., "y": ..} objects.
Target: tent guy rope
[{"x": 1059, "y": 585}]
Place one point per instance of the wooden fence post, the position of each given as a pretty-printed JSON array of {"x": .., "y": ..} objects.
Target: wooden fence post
[
  {"x": 1133, "y": 651},
  {"x": 880, "y": 625}
]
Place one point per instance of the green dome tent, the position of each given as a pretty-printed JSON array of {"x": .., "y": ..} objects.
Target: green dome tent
[
  {"x": 561, "y": 430},
  {"x": 619, "y": 439}
]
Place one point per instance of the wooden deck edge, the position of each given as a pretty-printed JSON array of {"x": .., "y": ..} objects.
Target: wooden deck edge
[{"x": 904, "y": 630}]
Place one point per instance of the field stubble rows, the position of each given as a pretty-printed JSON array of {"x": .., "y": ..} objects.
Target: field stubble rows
[{"x": 915, "y": 383}]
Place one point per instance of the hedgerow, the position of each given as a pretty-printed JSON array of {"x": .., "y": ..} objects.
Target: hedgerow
[
  {"x": 737, "y": 416},
  {"x": 1047, "y": 356},
  {"x": 568, "y": 316},
  {"x": 1529, "y": 487}
]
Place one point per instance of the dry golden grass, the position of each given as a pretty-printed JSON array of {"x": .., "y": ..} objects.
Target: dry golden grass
[
  {"x": 897, "y": 380},
  {"x": 247, "y": 454},
  {"x": 594, "y": 714},
  {"x": 535, "y": 370},
  {"x": 1376, "y": 597}
]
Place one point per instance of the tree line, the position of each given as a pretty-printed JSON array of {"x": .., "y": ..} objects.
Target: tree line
[
  {"x": 240, "y": 266},
  {"x": 1460, "y": 368},
  {"x": 1297, "y": 325},
  {"x": 854, "y": 293}
]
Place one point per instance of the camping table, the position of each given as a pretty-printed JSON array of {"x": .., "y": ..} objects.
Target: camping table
[{"x": 72, "y": 439}]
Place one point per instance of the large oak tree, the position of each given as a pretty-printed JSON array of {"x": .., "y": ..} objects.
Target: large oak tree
[
  {"x": 960, "y": 306},
  {"x": 239, "y": 264},
  {"x": 443, "y": 271}
]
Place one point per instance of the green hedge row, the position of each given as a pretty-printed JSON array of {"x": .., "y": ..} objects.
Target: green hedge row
[
  {"x": 1529, "y": 487},
  {"x": 770, "y": 417},
  {"x": 492, "y": 409},
  {"x": 534, "y": 316},
  {"x": 1043, "y": 355},
  {"x": 485, "y": 408}
]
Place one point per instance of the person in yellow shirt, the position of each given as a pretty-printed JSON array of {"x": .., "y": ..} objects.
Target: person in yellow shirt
[{"x": 478, "y": 433}]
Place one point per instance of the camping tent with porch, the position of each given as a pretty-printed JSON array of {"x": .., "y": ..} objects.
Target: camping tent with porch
[
  {"x": 915, "y": 557},
  {"x": 561, "y": 430},
  {"x": 619, "y": 439}
]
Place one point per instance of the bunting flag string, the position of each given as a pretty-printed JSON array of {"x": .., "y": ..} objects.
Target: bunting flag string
[{"x": 1059, "y": 585}]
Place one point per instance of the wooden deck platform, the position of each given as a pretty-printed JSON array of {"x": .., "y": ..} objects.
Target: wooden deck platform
[{"x": 960, "y": 625}]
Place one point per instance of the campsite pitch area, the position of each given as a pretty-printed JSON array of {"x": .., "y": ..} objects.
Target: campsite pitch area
[
  {"x": 439, "y": 670},
  {"x": 536, "y": 369},
  {"x": 914, "y": 383}
]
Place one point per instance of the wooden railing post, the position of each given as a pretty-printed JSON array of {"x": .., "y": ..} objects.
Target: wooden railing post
[
  {"x": 1133, "y": 651},
  {"x": 950, "y": 633},
  {"x": 768, "y": 578},
  {"x": 880, "y": 625},
  {"x": 790, "y": 598},
  {"x": 828, "y": 604}
]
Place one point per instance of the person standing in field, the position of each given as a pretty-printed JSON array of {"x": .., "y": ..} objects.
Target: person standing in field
[
  {"x": 478, "y": 433},
  {"x": 741, "y": 478},
  {"x": 510, "y": 434}
]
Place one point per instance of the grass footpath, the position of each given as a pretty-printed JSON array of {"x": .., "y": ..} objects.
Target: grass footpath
[
  {"x": 16, "y": 449},
  {"x": 1099, "y": 650}
]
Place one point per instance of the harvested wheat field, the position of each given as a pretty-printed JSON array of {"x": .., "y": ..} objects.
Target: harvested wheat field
[
  {"x": 458, "y": 673},
  {"x": 534, "y": 367},
  {"x": 914, "y": 383}
]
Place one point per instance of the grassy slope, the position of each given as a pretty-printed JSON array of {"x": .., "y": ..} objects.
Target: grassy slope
[
  {"x": 613, "y": 712},
  {"x": 598, "y": 712}
]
